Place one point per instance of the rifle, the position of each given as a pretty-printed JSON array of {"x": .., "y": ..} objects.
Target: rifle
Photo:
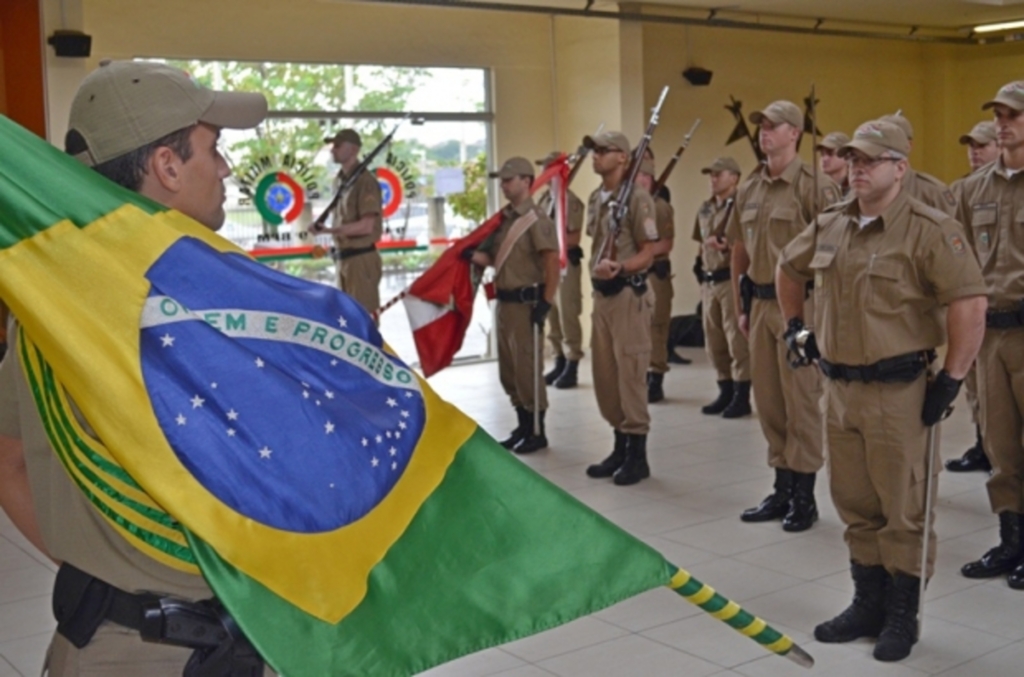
[
  {"x": 741, "y": 131},
  {"x": 675, "y": 159},
  {"x": 620, "y": 203},
  {"x": 347, "y": 184},
  {"x": 576, "y": 159}
]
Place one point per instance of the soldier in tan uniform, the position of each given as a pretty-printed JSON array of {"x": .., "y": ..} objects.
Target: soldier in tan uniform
[
  {"x": 565, "y": 333},
  {"x": 725, "y": 344},
  {"x": 884, "y": 266},
  {"x": 991, "y": 206},
  {"x": 924, "y": 187},
  {"x": 524, "y": 253},
  {"x": 182, "y": 170},
  {"x": 982, "y": 148},
  {"x": 833, "y": 165},
  {"x": 357, "y": 225},
  {"x": 660, "y": 281},
  {"x": 772, "y": 207},
  {"x": 621, "y": 339}
]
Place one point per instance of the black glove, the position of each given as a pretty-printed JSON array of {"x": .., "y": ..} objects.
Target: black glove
[
  {"x": 467, "y": 254},
  {"x": 803, "y": 347},
  {"x": 938, "y": 397},
  {"x": 698, "y": 270},
  {"x": 746, "y": 294},
  {"x": 575, "y": 255},
  {"x": 540, "y": 312}
]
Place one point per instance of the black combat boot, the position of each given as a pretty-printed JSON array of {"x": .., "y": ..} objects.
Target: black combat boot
[
  {"x": 866, "y": 615},
  {"x": 531, "y": 442},
  {"x": 803, "y": 510},
  {"x": 654, "y": 391},
  {"x": 521, "y": 430},
  {"x": 608, "y": 466},
  {"x": 776, "y": 505},
  {"x": 725, "y": 390},
  {"x": 635, "y": 467},
  {"x": 1003, "y": 558},
  {"x": 740, "y": 405},
  {"x": 567, "y": 379},
  {"x": 556, "y": 370},
  {"x": 973, "y": 459},
  {"x": 899, "y": 632}
]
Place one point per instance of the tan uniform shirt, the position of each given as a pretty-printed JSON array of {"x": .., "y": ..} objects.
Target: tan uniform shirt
[
  {"x": 665, "y": 220},
  {"x": 361, "y": 200},
  {"x": 72, "y": 528},
  {"x": 639, "y": 225},
  {"x": 574, "y": 209},
  {"x": 712, "y": 218},
  {"x": 992, "y": 209},
  {"x": 879, "y": 290},
  {"x": 769, "y": 213},
  {"x": 524, "y": 266},
  {"x": 930, "y": 191}
]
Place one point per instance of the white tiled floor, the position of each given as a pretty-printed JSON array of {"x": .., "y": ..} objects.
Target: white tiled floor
[{"x": 706, "y": 470}]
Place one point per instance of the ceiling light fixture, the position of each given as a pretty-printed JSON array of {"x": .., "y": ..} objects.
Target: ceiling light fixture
[{"x": 994, "y": 28}]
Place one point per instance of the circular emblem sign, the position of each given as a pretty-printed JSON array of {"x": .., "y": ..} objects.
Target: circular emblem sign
[
  {"x": 279, "y": 198},
  {"x": 390, "y": 191}
]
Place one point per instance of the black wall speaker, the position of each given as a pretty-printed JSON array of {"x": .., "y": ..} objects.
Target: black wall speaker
[
  {"x": 698, "y": 77},
  {"x": 71, "y": 43}
]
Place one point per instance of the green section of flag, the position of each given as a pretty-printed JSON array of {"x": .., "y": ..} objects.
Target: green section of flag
[
  {"x": 496, "y": 553},
  {"x": 39, "y": 188}
]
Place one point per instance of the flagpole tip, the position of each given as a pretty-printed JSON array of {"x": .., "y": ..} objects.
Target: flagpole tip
[{"x": 800, "y": 657}]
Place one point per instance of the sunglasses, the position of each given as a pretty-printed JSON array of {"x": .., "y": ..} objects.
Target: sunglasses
[{"x": 604, "y": 150}]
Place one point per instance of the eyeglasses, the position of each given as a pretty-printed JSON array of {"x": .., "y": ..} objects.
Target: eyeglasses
[
  {"x": 862, "y": 162},
  {"x": 604, "y": 150}
]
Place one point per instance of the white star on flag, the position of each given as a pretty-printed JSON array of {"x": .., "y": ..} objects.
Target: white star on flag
[
  {"x": 329, "y": 428},
  {"x": 392, "y": 402},
  {"x": 334, "y": 363},
  {"x": 259, "y": 363},
  {"x": 394, "y": 466},
  {"x": 231, "y": 432},
  {"x": 305, "y": 394},
  {"x": 304, "y": 384},
  {"x": 318, "y": 403},
  {"x": 197, "y": 402},
  {"x": 392, "y": 451},
  {"x": 265, "y": 452},
  {"x": 167, "y": 340},
  {"x": 401, "y": 424},
  {"x": 365, "y": 442},
  {"x": 388, "y": 434},
  {"x": 378, "y": 438},
  {"x": 232, "y": 415},
  {"x": 398, "y": 435},
  {"x": 374, "y": 462},
  {"x": 342, "y": 322},
  {"x": 405, "y": 414},
  {"x": 329, "y": 395},
  {"x": 213, "y": 385},
  {"x": 181, "y": 419},
  {"x": 408, "y": 394}
]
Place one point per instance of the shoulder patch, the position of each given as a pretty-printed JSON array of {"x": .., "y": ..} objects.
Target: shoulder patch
[
  {"x": 956, "y": 243},
  {"x": 949, "y": 197}
]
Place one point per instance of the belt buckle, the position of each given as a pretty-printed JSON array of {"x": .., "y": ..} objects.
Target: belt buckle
[
  {"x": 855, "y": 374},
  {"x": 525, "y": 292}
]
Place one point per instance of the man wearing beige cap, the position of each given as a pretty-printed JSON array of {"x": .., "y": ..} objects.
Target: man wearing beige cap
[
  {"x": 992, "y": 200},
  {"x": 892, "y": 278},
  {"x": 660, "y": 281},
  {"x": 357, "y": 224},
  {"x": 153, "y": 130},
  {"x": 565, "y": 332},
  {"x": 772, "y": 207},
  {"x": 833, "y": 165},
  {"x": 924, "y": 187},
  {"x": 524, "y": 253},
  {"x": 725, "y": 344},
  {"x": 621, "y": 334},
  {"x": 982, "y": 148}
]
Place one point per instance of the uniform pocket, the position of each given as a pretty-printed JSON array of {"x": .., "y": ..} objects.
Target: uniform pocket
[
  {"x": 888, "y": 283},
  {"x": 984, "y": 219},
  {"x": 821, "y": 266}
]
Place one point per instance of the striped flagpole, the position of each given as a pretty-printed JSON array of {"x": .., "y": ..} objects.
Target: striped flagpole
[{"x": 731, "y": 613}]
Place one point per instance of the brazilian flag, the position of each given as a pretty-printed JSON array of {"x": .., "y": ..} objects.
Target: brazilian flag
[{"x": 255, "y": 428}]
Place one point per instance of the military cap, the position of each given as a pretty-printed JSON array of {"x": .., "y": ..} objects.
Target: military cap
[
  {"x": 513, "y": 167},
  {"x": 722, "y": 164},
  {"x": 877, "y": 137},
  {"x": 778, "y": 112}
]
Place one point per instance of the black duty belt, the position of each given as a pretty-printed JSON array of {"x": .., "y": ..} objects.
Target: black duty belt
[
  {"x": 899, "y": 369},
  {"x": 530, "y": 294},
  {"x": 1005, "y": 319},
  {"x": 342, "y": 254},
  {"x": 637, "y": 282},
  {"x": 765, "y": 292},
  {"x": 716, "y": 276},
  {"x": 661, "y": 268}
]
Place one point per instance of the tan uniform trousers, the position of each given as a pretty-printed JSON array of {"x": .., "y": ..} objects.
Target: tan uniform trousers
[
  {"x": 724, "y": 343},
  {"x": 621, "y": 350},
  {"x": 877, "y": 448},
  {"x": 971, "y": 393},
  {"x": 517, "y": 369},
  {"x": 359, "y": 277},
  {"x": 788, "y": 400},
  {"x": 661, "y": 318},
  {"x": 564, "y": 328},
  {"x": 1001, "y": 385},
  {"x": 116, "y": 652}
]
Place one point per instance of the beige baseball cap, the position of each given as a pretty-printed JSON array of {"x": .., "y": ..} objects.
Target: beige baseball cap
[
  {"x": 983, "y": 134},
  {"x": 833, "y": 141},
  {"x": 349, "y": 135},
  {"x": 124, "y": 105},
  {"x": 778, "y": 112},
  {"x": 877, "y": 137},
  {"x": 1010, "y": 94},
  {"x": 901, "y": 122},
  {"x": 513, "y": 167},
  {"x": 722, "y": 164},
  {"x": 616, "y": 140}
]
